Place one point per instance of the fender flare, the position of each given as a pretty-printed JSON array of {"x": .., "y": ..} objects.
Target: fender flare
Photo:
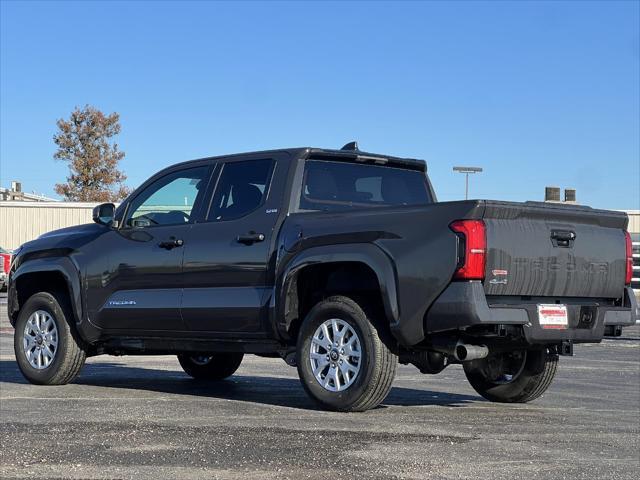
[
  {"x": 63, "y": 265},
  {"x": 366, "y": 253}
]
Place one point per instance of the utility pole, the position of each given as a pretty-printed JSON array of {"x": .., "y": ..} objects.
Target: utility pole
[{"x": 467, "y": 171}]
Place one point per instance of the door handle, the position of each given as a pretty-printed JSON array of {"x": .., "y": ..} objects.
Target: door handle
[
  {"x": 250, "y": 238},
  {"x": 171, "y": 243}
]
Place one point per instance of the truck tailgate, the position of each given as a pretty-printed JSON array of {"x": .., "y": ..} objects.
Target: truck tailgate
[{"x": 540, "y": 249}]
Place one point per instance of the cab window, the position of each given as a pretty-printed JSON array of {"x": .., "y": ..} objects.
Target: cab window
[
  {"x": 335, "y": 186},
  {"x": 169, "y": 200},
  {"x": 242, "y": 188}
]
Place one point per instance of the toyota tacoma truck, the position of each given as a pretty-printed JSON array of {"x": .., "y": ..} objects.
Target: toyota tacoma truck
[{"x": 340, "y": 262}]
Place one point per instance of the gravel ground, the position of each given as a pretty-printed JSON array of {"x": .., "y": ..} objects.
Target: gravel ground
[{"x": 142, "y": 417}]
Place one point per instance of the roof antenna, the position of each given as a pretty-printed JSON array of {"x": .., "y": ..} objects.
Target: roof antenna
[{"x": 352, "y": 146}]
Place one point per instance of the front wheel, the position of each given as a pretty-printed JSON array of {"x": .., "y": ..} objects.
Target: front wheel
[
  {"x": 48, "y": 351},
  {"x": 342, "y": 362},
  {"x": 214, "y": 366},
  {"x": 513, "y": 377}
]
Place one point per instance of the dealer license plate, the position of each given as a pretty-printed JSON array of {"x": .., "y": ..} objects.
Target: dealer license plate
[{"x": 553, "y": 316}]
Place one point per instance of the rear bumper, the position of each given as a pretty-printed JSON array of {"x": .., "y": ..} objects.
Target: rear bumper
[
  {"x": 627, "y": 315},
  {"x": 464, "y": 305}
]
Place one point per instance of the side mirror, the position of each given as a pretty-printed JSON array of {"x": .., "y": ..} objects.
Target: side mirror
[{"x": 103, "y": 213}]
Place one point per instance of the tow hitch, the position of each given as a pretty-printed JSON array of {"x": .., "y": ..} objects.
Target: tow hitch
[{"x": 565, "y": 348}]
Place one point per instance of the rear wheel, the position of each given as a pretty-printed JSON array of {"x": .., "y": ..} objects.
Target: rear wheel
[
  {"x": 513, "y": 377},
  {"x": 47, "y": 350},
  {"x": 342, "y": 362},
  {"x": 214, "y": 366}
]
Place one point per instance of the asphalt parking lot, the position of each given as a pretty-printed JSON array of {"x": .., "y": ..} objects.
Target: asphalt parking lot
[{"x": 142, "y": 417}]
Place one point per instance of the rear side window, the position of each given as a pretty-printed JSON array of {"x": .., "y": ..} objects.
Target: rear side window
[
  {"x": 340, "y": 185},
  {"x": 242, "y": 188}
]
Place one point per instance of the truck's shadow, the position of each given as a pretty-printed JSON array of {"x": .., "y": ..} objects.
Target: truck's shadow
[{"x": 267, "y": 390}]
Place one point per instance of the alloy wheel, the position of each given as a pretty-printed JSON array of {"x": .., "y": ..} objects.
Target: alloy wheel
[
  {"x": 40, "y": 339},
  {"x": 335, "y": 355}
]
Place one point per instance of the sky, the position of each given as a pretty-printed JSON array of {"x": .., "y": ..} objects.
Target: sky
[{"x": 536, "y": 93}]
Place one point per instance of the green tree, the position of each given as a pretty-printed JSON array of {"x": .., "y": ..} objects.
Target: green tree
[{"x": 85, "y": 142}]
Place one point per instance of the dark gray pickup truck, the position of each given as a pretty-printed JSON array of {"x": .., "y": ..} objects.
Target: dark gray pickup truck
[{"x": 339, "y": 261}]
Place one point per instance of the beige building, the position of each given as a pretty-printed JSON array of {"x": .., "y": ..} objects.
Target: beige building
[
  {"x": 22, "y": 221},
  {"x": 634, "y": 221}
]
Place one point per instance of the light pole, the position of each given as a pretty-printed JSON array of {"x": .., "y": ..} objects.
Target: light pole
[{"x": 467, "y": 171}]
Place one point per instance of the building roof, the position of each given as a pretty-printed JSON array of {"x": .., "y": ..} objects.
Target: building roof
[{"x": 25, "y": 197}]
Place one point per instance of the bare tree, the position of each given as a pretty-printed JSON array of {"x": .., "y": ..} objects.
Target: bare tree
[{"x": 85, "y": 142}]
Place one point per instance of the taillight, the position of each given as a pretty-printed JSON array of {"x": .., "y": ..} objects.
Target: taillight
[
  {"x": 472, "y": 233},
  {"x": 629, "y": 273}
]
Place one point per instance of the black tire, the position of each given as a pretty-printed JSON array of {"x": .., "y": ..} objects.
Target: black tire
[
  {"x": 377, "y": 363},
  {"x": 69, "y": 354},
  {"x": 213, "y": 366},
  {"x": 531, "y": 371}
]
